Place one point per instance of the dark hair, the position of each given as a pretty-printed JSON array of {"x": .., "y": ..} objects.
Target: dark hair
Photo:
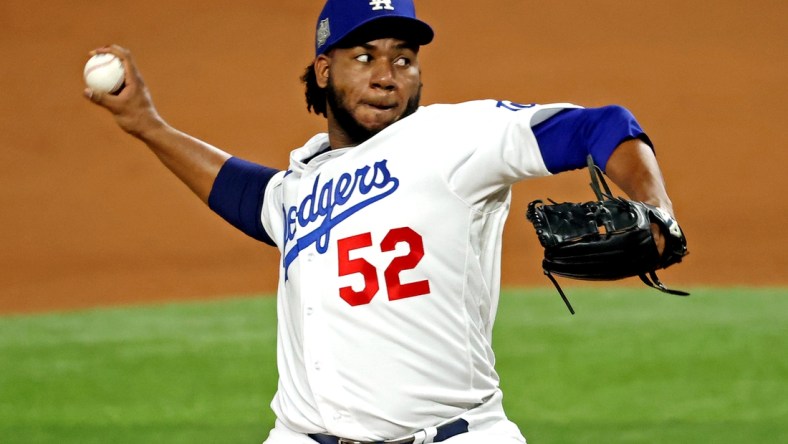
[{"x": 315, "y": 95}]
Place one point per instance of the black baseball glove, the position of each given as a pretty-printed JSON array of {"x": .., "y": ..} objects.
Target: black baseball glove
[{"x": 608, "y": 239}]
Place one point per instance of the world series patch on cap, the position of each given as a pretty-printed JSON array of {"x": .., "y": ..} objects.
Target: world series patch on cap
[{"x": 342, "y": 20}]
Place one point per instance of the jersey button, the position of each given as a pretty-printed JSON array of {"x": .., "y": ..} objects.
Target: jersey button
[
  {"x": 317, "y": 365},
  {"x": 309, "y": 311}
]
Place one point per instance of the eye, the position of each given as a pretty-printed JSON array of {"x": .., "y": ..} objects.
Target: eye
[
  {"x": 402, "y": 61},
  {"x": 363, "y": 58}
]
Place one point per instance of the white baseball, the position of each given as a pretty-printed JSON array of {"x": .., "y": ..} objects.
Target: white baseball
[{"x": 104, "y": 73}]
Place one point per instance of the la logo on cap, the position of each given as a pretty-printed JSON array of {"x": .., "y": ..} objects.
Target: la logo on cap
[{"x": 377, "y": 5}]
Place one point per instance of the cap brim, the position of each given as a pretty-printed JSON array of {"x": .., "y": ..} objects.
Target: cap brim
[{"x": 408, "y": 29}]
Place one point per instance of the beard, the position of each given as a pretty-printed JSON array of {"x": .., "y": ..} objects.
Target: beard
[{"x": 358, "y": 133}]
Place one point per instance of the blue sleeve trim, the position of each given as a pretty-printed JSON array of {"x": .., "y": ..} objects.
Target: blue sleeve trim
[
  {"x": 567, "y": 138},
  {"x": 237, "y": 196}
]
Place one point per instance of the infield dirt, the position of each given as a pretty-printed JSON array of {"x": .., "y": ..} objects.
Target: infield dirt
[{"x": 89, "y": 216}]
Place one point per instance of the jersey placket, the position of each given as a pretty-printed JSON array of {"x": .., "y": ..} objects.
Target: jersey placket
[{"x": 320, "y": 366}]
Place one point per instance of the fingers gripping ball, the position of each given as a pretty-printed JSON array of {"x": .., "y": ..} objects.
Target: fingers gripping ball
[{"x": 104, "y": 73}]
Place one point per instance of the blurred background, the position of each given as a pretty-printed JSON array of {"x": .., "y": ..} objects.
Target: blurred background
[{"x": 89, "y": 217}]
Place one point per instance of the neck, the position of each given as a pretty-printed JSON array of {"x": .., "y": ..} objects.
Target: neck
[
  {"x": 340, "y": 137},
  {"x": 343, "y": 130}
]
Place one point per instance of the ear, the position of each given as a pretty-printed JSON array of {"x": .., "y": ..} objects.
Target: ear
[{"x": 321, "y": 66}]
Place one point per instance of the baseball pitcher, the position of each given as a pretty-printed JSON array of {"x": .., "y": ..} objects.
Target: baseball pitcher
[{"x": 389, "y": 228}]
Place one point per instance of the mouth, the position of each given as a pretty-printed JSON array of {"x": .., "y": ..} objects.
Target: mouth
[{"x": 381, "y": 106}]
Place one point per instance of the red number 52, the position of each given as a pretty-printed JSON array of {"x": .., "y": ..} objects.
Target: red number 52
[{"x": 396, "y": 289}]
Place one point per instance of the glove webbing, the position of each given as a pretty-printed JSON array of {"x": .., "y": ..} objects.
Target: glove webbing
[{"x": 651, "y": 279}]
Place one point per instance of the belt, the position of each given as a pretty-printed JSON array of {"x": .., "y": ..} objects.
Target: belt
[{"x": 428, "y": 435}]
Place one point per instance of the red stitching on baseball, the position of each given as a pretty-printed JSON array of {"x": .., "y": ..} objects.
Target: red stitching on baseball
[{"x": 101, "y": 65}]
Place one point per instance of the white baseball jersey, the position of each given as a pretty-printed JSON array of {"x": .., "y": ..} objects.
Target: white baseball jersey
[{"x": 391, "y": 266}]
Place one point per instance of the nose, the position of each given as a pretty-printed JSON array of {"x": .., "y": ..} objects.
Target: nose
[{"x": 383, "y": 75}]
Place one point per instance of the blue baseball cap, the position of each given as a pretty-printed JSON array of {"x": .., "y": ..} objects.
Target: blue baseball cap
[{"x": 365, "y": 20}]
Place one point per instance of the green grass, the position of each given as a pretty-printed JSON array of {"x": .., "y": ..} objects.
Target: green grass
[
  {"x": 188, "y": 373},
  {"x": 633, "y": 366},
  {"x": 645, "y": 367}
]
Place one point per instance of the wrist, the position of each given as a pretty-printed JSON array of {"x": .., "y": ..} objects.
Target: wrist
[
  {"x": 149, "y": 129},
  {"x": 664, "y": 204}
]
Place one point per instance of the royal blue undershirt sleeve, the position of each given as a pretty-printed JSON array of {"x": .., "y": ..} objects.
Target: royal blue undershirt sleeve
[
  {"x": 567, "y": 138},
  {"x": 237, "y": 196}
]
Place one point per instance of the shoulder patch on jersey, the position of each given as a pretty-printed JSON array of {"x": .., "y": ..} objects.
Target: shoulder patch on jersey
[{"x": 513, "y": 106}]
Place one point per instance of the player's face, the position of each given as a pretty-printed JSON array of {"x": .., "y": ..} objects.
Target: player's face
[{"x": 370, "y": 86}]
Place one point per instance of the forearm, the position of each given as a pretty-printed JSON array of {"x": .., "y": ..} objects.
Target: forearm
[
  {"x": 633, "y": 167},
  {"x": 617, "y": 143},
  {"x": 193, "y": 161}
]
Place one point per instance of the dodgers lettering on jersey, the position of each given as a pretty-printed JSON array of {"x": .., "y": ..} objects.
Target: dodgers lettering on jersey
[
  {"x": 391, "y": 269},
  {"x": 373, "y": 183}
]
